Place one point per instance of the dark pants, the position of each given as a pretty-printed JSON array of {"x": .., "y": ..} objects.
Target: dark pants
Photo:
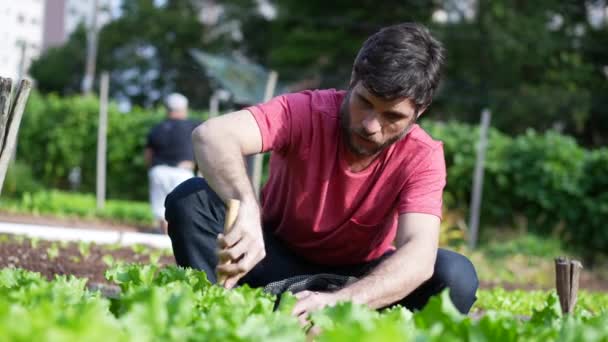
[{"x": 196, "y": 216}]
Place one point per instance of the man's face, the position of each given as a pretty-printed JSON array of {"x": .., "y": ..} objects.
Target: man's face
[{"x": 369, "y": 123}]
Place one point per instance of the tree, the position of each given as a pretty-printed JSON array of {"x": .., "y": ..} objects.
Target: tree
[
  {"x": 522, "y": 60},
  {"x": 146, "y": 50},
  {"x": 319, "y": 39},
  {"x": 60, "y": 69},
  {"x": 532, "y": 62}
]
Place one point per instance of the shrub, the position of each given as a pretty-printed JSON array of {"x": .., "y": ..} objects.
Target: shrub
[
  {"x": 58, "y": 134},
  {"x": 558, "y": 186}
]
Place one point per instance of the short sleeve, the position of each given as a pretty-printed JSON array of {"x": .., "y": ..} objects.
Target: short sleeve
[
  {"x": 423, "y": 192},
  {"x": 282, "y": 120}
]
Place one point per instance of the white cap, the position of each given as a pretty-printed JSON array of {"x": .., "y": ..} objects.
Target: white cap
[{"x": 176, "y": 102}]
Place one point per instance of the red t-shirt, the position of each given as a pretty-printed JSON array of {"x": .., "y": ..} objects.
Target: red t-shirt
[{"x": 316, "y": 205}]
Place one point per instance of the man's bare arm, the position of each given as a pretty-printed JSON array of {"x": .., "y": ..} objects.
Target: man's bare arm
[
  {"x": 400, "y": 274},
  {"x": 219, "y": 146},
  {"x": 148, "y": 156}
]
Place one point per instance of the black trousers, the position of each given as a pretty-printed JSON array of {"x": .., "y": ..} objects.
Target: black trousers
[{"x": 195, "y": 214}]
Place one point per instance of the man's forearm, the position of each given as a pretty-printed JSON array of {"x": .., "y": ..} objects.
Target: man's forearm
[
  {"x": 394, "y": 278},
  {"x": 221, "y": 163}
]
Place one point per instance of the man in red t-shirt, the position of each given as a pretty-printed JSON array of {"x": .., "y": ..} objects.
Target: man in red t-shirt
[{"x": 355, "y": 187}]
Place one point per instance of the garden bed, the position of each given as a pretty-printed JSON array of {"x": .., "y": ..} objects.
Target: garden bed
[
  {"x": 89, "y": 260},
  {"x": 84, "y": 260},
  {"x": 154, "y": 300}
]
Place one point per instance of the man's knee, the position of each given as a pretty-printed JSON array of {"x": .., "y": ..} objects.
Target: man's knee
[
  {"x": 180, "y": 203},
  {"x": 193, "y": 203},
  {"x": 457, "y": 273}
]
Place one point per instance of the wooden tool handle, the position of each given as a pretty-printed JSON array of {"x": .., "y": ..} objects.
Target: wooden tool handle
[{"x": 232, "y": 211}]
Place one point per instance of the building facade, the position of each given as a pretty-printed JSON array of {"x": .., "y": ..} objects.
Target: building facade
[
  {"x": 28, "y": 27},
  {"x": 21, "y": 26}
]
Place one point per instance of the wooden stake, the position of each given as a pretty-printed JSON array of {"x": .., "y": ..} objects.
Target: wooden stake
[
  {"x": 232, "y": 211},
  {"x": 12, "y": 126},
  {"x": 575, "y": 271},
  {"x": 478, "y": 178},
  {"x": 567, "y": 274},
  {"x": 255, "y": 162},
  {"x": 5, "y": 105},
  {"x": 102, "y": 138}
]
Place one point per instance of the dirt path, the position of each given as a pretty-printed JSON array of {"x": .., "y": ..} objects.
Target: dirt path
[{"x": 72, "y": 222}]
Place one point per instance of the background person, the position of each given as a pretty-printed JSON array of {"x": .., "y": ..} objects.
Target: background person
[{"x": 169, "y": 154}]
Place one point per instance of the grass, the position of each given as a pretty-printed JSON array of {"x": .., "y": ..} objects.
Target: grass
[
  {"x": 523, "y": 260},
  {"x": 524, "y": 303},
  {"x": 68, "y": 204}
]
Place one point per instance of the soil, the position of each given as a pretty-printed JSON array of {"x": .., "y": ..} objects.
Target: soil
[{"x": 34, "y": 256}]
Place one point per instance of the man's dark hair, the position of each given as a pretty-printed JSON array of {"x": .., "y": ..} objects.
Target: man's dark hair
[{"x": 403, "y": 60}]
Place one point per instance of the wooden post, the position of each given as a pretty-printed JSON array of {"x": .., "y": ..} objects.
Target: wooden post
[
  {"x": 102, "y": 140},
  {"x": 567, "y": 274},
  {"x": 5, "y": 106},
  {"x": 91, "y": 59},
  {"x": 478, "y": 179},
  {"x": 256, "y": 162},
  {"x": 10, "y": 119}
]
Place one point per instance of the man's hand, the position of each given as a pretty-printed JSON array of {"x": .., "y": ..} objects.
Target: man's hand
[
  {"x": 242, "y": 248},
  {"x": 309, "y": 301}
]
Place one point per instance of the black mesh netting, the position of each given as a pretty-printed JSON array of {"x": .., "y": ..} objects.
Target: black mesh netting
[{"x": 319, "y": 282}]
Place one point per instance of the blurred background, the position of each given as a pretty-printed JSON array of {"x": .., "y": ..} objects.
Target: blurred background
[{"x": 540, "y": 67}]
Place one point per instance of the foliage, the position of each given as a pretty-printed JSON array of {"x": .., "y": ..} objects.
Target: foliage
[
  {"x": 180, "y": 304},
  {"x": 58, "y": 134},
  {"x": 19, "y": 180},
  {"x": 147, "y": 51},
  {"x": 531, "y": 63},
  {"x": 66, "y": 204},
  {"x": 61, "y": 69},
  {"x": 317, "y": 40},
  {"x": 548, "y": 179},
  {"x": 536, "y": 64}
]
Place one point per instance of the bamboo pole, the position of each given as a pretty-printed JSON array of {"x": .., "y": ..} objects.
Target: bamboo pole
[{"x": 13, "y": 120}]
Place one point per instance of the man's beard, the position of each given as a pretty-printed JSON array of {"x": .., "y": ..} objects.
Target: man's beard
[{"x": 347, "y": 134}]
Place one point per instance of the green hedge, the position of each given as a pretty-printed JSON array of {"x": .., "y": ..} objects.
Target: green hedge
[
  {"x": 556, "y": 185},
  {"x": 58, "y": 134}
]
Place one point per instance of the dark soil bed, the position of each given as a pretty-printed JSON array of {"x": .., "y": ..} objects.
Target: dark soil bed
[{"x": 34, "y": 255}]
